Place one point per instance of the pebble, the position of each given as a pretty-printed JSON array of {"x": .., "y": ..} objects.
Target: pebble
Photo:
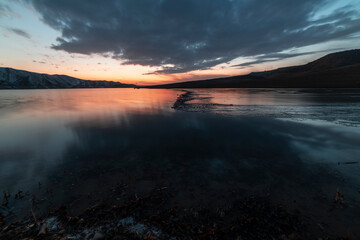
[
  {"x": 98, "y": 236},
  {"x": 43, "y": 229}
]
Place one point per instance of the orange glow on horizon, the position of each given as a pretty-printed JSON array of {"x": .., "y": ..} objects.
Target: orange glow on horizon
[{"x": 129, "y": 74}]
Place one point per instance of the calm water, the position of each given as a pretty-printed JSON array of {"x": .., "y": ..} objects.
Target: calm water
[{"x": 73, "y": 146}]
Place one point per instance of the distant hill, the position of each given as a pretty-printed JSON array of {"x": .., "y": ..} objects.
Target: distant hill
[
  {"x": 336, "y": 70},
  {"x": 18, "y": 79}
]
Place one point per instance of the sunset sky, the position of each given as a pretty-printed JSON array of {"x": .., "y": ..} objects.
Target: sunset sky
[{"x": 153, "y": 41}]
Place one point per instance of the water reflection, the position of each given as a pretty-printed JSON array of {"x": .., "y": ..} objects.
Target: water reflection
[
  {"x": 35, "y": 131},
  {"x": 335, "y": 105},
  {"x": 68, "y": 103},
  {"x": 210, "y": 160},
  {"x": 79, "y": 144}
]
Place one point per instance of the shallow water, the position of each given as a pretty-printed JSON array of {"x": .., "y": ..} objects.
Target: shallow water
[
  {"x": 332, "y": 105},
  {"x": 73, "y": 146}
]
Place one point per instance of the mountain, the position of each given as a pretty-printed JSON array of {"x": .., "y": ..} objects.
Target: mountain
[
  {"x": 336, "y": 70},
  {"x": 18, "y": 79}
]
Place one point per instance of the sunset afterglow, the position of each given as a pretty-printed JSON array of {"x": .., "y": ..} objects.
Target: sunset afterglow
[
  {"x": 35, "y": 38},
  {"x": 179, "y": 119}
]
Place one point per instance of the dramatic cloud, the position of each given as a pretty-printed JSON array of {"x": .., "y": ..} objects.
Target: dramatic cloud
[
  {"x": 271, "y": 57},
  {"x": 19, "y": 32},
  {"x": 180, "y": 36}
]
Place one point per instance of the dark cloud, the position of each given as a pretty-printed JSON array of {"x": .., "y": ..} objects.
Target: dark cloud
[
  {"x": 272, "y": 57},
  {"x": 180, "y": 36},
  {"x": 250, "y": 63},
  {"x": 19, "y": 32}
]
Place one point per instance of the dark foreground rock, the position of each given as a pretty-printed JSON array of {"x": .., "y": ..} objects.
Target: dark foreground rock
[{"x": 156, "y": 216}]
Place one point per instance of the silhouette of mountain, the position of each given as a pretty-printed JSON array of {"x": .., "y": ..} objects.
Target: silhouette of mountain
[
  {"x": 336, "y": 70},
  {"x": 18, "y": 79}
]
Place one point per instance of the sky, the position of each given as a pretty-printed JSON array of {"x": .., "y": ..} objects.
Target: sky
[{"x": 163, "y": 41}]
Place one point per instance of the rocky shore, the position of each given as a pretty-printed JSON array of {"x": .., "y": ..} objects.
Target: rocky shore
[{"x": 158, "y": 216}]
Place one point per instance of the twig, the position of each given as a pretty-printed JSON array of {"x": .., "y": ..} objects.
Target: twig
[{"x": 32, "y": 211}]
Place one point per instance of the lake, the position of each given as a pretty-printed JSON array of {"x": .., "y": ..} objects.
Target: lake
[{"x": 297, "y": 147}]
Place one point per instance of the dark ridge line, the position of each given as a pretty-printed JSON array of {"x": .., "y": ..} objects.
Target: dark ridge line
[{"x": 335, "y": 70}]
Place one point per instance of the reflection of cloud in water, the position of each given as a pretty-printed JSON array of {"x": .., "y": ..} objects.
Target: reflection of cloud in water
[
  {"x": 206, "y": 159},
  {"x": 203, "y": 158},
  {"x": 262, "y": 147},
  {"x": 28, "y": 152}
]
